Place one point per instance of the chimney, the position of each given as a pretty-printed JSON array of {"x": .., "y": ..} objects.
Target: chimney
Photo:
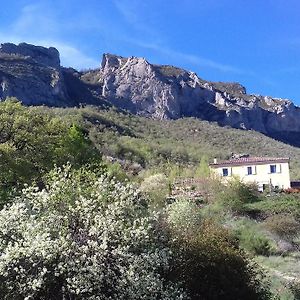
[{"x": 215, "y": 160}]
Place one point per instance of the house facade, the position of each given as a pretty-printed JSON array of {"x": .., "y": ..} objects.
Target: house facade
[{"x": 266, "y": 172}]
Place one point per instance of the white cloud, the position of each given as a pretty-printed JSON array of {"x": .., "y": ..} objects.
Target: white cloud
[
  {"x": 190, "y": 58},
  {"x": 71, "y": 56},
  {"x": 127, "y": 10},
  {"x": 132, "y": 12},
  {"x": 37, "y": 27},
  {"x": 36, "y": 20}
]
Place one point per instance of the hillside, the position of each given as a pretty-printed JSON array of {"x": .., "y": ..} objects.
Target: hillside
[
  {"x": 155, "y": 143},
  {"x": 94, "y": 177},
  {"x": 34, "y": 75}
]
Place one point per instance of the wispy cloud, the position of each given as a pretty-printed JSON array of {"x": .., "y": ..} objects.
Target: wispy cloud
[
  {"x": 152, "y": 39},
  {"x": 70, "y": 56},
  {"x": 190, "y": 58},
  {"x": 127, "y": 10},
  {"x": 39, "y": 26},
  {"x": 35, "y": 19},
  {"x": 136, "y": 13}
]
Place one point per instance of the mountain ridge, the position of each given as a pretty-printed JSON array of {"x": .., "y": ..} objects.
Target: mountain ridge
[{"x": 34, "y": 75}]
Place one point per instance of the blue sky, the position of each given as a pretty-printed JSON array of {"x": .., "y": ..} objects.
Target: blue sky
[{"x": 255, "y": 42}]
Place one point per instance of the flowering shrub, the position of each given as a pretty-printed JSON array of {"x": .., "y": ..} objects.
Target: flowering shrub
[
  {"x": 183, "y": 217},
  {"x": 82, "y": 238},
  {"x": 157, "y": 188}
]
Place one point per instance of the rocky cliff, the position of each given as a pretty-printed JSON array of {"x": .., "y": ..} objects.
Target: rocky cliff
[
  {"x": 168, "y": 92},
  {"x": 34, "y": 75}
]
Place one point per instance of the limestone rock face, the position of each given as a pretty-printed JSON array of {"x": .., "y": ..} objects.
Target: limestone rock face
[
  {"x": 167, "y": 92},
  {"x": 170, "y": 92},
  {"x": 32, "y": 74}
]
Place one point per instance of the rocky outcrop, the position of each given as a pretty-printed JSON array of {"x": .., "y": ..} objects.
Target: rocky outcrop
[
  {"x": 34, "y": 75},
  {"x": 167, "y": 92}
]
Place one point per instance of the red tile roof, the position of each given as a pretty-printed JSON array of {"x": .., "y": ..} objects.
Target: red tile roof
[{"x": 244, "y": 161}]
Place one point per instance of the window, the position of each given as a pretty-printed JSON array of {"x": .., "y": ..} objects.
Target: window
[
  {"x": 249, "y": 170},
  {"x": 272, "y": 168},
  {"x": 225, "y": 172}
]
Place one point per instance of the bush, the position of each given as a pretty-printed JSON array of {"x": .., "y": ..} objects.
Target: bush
[
  {"x": 252, "y": 238},
  {"x": 283, "y": 225},
  {"x": 82, "y": 238},
  {"x": 33, "y": 140},
  {"x": 278, "y": 204},
  {"x": 254, "y": 241},
  {"x": 237, "y": 194},
  {"x": 157, "y": 188},
  {"x": 211, "y": 266},
  {"x": 183, "y": 217}
]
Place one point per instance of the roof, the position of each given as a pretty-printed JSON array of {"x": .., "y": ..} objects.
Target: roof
[{"x": 245, "y": 161}]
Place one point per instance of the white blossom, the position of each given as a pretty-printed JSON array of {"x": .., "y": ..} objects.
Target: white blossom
[{"x": 66, "y": 242}]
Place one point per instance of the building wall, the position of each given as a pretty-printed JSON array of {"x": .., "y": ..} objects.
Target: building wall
[{"x": 260, "y": 174}]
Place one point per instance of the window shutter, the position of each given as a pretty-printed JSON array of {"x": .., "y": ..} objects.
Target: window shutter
[{"x": 279, "y": 168}]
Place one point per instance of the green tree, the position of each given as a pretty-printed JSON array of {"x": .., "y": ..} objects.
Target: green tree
[
  {"x": 77, "y": 148},
  {"x": 203, "y": 167},
  {"x": 33, "y": 140}
]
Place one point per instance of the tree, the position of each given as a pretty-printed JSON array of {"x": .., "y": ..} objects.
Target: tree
[
  {"x": 33, "y": 140},
  {"x": 203, "y": 167}
]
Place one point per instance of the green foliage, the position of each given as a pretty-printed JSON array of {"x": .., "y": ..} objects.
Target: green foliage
[
  {"x": 295, "y": 288},
  {"x": 184, "y": 141},
  {"x": 236, "y": 194},
  {"x": 278, "y": 204},
  {"x": 285, "y": 226},
  {"x": 253, "y": 240},
  {"x": 183, "y": 217},
  {"x": 156, "y": 187},
  {"x": 114, "y": 170},
  {"x": 203, "y": 168},
  {"x": 33, "y": 140},
  {"x": 212, "y": 267},
  {"x": 76, "y": 147}
]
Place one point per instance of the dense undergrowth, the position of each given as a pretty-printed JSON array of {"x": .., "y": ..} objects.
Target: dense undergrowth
[{"x": 89, "y": 210}]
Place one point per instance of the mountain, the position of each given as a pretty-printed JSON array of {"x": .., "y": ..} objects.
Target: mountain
[{"x": 34, "y": 75}]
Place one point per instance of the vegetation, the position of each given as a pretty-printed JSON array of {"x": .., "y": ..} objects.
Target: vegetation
[
  {"x": 157, "y": 144},
  {"x": 82, "y": 238},
  {"x": 33, "y": 141},
  {"x": 88, "y": 210}
]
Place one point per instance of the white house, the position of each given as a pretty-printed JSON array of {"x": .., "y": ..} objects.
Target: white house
[{"x": 264, "y": 171}]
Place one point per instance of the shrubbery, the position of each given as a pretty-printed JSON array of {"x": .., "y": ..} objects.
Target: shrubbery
[
  {"x": 283, "y": 225},
  {"x": 90, "y": 237},
  {"x": 236, "y": 194},
  {"x": 79, "y": 234},
  {"x": 157, "y": 189},
  {"x": 82, "y": 238},
  {"x": 212, "y": 267},
  {"x": 279, "y": 204},
  {"x": 33, "y": 140},
  {"x": 253, "y": 240}
]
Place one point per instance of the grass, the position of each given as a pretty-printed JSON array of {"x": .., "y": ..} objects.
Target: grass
[
  {"x": 278, "y": 203},
  {"x": 284, "y": 275}
]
